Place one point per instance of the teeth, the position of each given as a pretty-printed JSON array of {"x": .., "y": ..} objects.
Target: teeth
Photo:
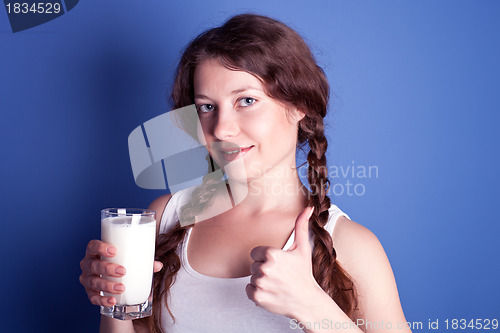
[{"x": 232, "y": 152}]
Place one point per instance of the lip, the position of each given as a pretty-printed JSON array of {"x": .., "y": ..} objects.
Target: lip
[
  {"x": 233, "y": 148},
  {"x": 232, "y": 157}
]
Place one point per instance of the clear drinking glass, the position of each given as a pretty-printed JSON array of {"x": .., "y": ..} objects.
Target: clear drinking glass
[{"x": 132, "y": 231}]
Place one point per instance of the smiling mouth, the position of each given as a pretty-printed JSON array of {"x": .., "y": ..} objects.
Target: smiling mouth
[{"x": 231, "y": 155}]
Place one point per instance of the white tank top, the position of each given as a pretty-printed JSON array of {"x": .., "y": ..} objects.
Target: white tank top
[{"x": 202, "y": 303}]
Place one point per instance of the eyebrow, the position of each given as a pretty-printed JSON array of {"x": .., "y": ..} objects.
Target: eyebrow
[{"x": 234, "y": 92}]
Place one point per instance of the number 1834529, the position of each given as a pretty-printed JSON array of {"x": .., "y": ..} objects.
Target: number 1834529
[
  {"x": 33, "y": 8},
  {"x": 475, "y": 324}
]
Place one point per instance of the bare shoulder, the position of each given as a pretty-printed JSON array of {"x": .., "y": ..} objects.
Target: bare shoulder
[
  {"x": 354, "y": 242},
  {"x": 359, "y": 251},
  {"x": 363, "y": 257},
  {"x": 158, "y": 205}
]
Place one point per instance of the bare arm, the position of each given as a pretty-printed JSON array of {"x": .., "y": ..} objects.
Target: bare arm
[
  {"x": 110, "y": 325},
  {"x": 363, "y": 257}
]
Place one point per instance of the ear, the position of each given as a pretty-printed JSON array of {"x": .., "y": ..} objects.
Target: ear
[{"x": 297, "y": 115}]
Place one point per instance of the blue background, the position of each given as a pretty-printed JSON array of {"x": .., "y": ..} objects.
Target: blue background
[{"x": 415, "y": 89}]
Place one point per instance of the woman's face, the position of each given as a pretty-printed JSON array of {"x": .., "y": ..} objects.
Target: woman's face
[{"x": 235, "y": 113}]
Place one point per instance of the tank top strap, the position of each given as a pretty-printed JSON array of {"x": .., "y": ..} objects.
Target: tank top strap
[
  {"x": 172, "y": 210},
  {"x": 334, "y": 214},
  {"x": 168, "y": 217}
]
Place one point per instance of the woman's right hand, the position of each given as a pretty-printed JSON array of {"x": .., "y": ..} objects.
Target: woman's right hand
[{"x": 92, "y": 267}]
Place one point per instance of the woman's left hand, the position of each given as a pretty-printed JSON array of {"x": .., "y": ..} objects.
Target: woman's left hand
[{"x": 282, "y": 282}]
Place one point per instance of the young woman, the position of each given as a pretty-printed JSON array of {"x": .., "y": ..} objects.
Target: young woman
[{"x": 284, "y": 258}]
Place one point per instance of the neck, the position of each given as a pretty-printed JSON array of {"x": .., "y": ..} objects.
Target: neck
[{"x": 277, "y": 189}]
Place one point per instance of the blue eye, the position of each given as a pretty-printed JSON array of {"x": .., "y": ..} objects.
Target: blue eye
[
  {"x": 247, "y": 101},
  {"x": 204, "y": 108}
]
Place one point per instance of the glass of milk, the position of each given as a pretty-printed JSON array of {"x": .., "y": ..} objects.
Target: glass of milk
[{"x": 132, "y": 231}]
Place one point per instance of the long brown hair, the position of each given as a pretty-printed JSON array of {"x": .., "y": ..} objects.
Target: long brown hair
[{"x": 279, "y": 57}]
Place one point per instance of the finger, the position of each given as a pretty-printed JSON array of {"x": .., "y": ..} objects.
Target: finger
[
  {"x": 98, "y": 248},
  {"x": 256, "y": 268},
  {"x": 256, "y": 271},
  {"x": 255, "y": 295},
  {"x": 250, "y": 291},
  {"x": 263, "y": 253},
  {"x": 301, "y": 240},
  {"x": 254, "y": 280},
  {"x": 98, "y": 284},
  {"x": 100, "y": 267},
  {"x": 259, "y": 282},
  {"x": 96, "y": 299},
  {"x": 157, "y": 266}
]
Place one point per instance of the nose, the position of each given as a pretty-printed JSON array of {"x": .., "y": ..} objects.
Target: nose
[{"x": 226, "y": 125}]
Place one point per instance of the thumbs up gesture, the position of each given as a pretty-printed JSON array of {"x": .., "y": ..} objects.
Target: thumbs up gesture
[{"x": 282, "y": 281}]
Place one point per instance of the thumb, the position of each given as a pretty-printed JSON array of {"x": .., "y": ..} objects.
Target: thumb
[{"x": 301, "y": 240}]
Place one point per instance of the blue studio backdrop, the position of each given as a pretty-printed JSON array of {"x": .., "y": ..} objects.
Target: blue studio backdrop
[{"x": 412, "y": 130}]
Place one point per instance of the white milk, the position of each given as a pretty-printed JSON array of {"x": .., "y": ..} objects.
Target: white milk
[{"x": 135, "y": 250}]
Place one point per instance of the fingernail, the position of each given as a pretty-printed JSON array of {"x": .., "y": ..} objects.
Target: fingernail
[
  {"x": 111, "y": 300},
  {"x": 119, "y": 287},
  {"x": 111, "y": 250},
  {"x": 120, "y": 270}
]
